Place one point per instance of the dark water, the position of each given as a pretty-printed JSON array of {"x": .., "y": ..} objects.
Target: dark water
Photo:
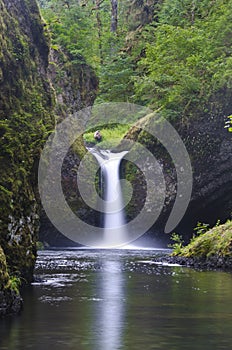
[{"x": 109, "y": 300}]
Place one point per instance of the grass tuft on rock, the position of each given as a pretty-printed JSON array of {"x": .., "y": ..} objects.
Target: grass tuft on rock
[{"x": 111, "y": 136}]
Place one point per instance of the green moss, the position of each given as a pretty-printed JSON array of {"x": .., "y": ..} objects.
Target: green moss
[
  {"x": 14, "y": 284},
  {"x": 4, "y": 276},
  {"x": 40, "y": 245},
  {"x": 7, "y": 282},
  {"x": 215, "y": 242},
  {"x": 79, "y": 147}
]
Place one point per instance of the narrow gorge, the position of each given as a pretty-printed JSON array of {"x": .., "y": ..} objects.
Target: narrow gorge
[{"x": 170, "y": 59}]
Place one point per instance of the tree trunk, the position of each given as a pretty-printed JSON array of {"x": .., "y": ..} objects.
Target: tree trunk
[
  {"x": 99, "y": 28},
  {"x": 114, "y": 16},
  {"x": 193, "y": 12}
]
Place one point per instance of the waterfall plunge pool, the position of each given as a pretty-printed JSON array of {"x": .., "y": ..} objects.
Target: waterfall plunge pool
[{"x": 87, "y": 299}]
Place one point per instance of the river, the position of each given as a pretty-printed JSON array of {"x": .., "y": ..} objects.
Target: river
[{"x": 85, "y": 299}]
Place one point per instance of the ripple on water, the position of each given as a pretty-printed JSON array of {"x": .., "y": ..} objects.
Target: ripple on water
[
  {"x": 162, "y": 263},
  {"x": 54, "y": 301},
  {"x": 58, "y": 280}
]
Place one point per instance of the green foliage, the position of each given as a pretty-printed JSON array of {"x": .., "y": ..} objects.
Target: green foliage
[
  {"x": 39, "y": 245},
  {"x": 200, "y": 229},
  {"x": 7, "y": 282},
  {"x": 14, "y": 284},
  {"x": 73, "y": 26},
  {"x": 178, "y": 243},
  {"x": 178, "y": 62},
  {"x": 229, "y": 123},
  {"x": 4, "y": 276},
  {"x": 82, "y": 28},
  {"x": 182, "y": 13},
  {"x": 116, "y": 78},
  {"x": 189, "y": 60}
]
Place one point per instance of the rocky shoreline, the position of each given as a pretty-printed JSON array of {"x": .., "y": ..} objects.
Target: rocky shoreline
[{"x": 212, "y": 263}]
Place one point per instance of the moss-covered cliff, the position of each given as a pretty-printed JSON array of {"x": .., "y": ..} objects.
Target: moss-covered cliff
[
  {"x": 37, "y": 86},
  {"x": 26, "y": 116}
]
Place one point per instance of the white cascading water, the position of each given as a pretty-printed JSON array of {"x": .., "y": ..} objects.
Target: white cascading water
[{"x": 114, "y": 230}]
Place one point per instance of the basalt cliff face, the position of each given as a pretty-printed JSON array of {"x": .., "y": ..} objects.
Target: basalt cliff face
[
  {"x": 209, "y": 146},
  {"x": 75, "y": 82},
  {"x": 75, "y": 86},
  {"x": 29, "y": 108}
]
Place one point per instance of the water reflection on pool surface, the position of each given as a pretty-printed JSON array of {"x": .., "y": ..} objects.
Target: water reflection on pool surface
[{"x": 87, "y": 299}]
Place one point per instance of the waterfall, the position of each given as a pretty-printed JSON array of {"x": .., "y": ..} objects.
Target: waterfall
[{"x": 114, "y": 230}]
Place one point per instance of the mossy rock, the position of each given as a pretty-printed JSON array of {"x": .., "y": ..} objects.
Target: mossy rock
[
  {"x": 4, "y": 276},
  {"x": 215, "y": 242}
]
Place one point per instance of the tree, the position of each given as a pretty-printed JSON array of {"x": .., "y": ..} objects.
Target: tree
[
  {"x": 99, "y": 28},
  {"x": 73, "y": 27},
  {"x": 183, "y": 13},
  {"x": 187, "y": 64},
  {"x": 114, "y": 16}
]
